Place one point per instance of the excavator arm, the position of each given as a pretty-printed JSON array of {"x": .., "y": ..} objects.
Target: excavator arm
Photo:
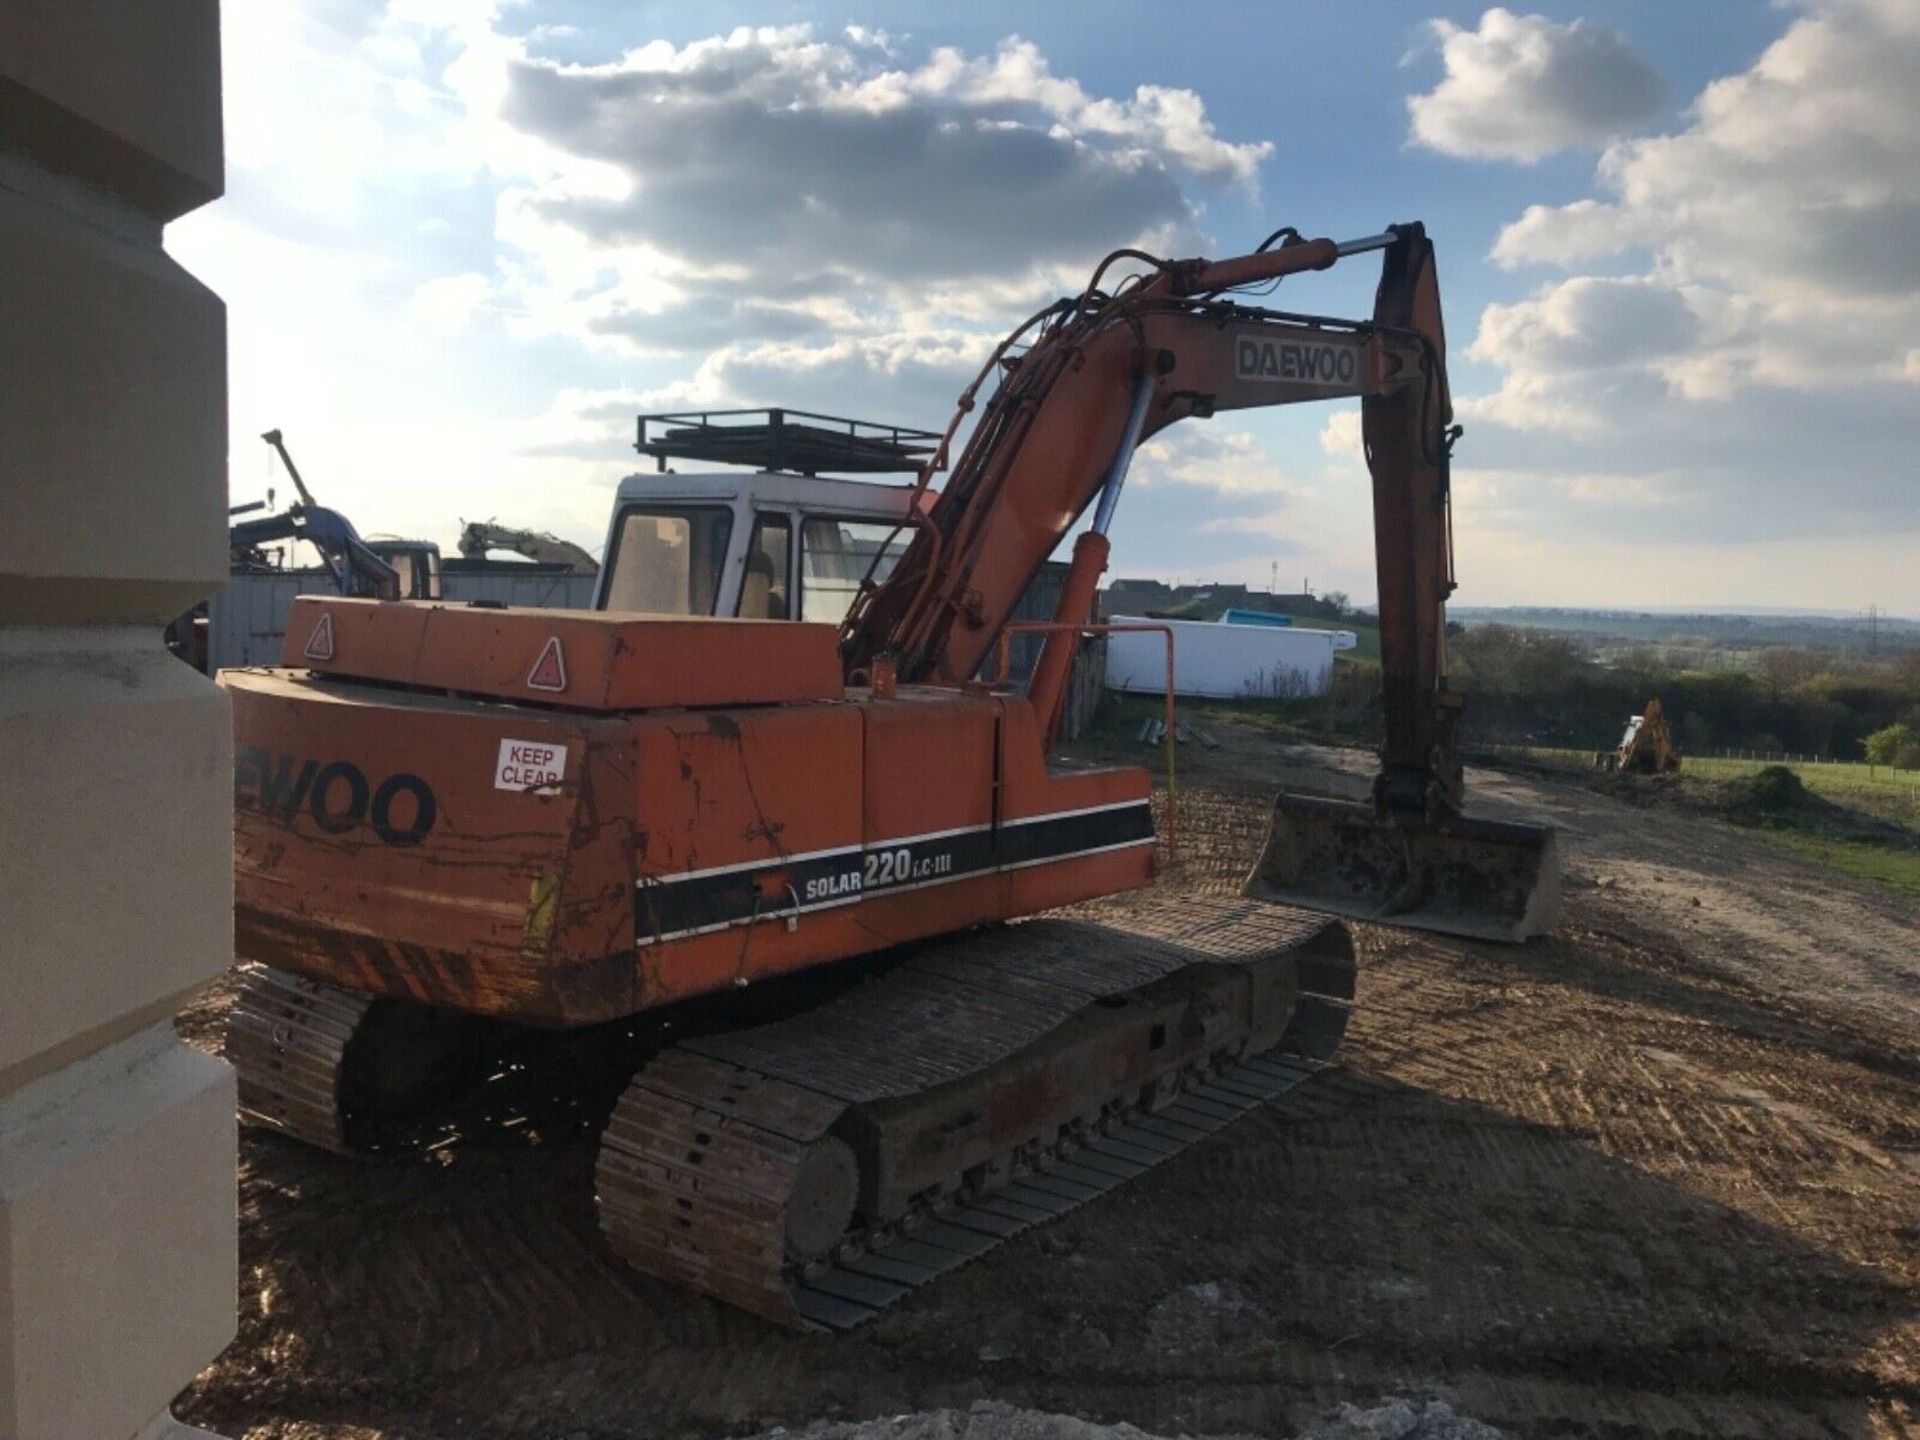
[
  {"x": 480, "y": 536},
  {"x": 1088, "y": 379},
  {"x": 355, "y": 568},
  {"x": 1408, "y": 434}
]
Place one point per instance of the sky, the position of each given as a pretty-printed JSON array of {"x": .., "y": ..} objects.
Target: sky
[{"x": 465, "y": 242}]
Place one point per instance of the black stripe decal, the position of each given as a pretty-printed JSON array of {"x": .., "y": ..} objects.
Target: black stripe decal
[{"x": 668, "y": 909}]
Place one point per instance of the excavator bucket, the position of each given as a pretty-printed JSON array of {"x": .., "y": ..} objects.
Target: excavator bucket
[{"x": 1484, "y": 879}]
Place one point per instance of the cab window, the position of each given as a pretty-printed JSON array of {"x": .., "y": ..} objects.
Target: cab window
[
  {"x": 834, "y": 556},
  {"x": 402, "y": 563},
  {"x": 765, "y": 586},
  {"x": 417, "y": 569},
  {"x": 667, "y": 560}
]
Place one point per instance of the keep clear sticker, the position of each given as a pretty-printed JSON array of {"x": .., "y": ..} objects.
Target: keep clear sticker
[{"x": 530, "y": 765}]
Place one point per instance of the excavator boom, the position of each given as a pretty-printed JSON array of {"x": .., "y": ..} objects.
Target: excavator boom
[{"x": 1098, "y": 375}]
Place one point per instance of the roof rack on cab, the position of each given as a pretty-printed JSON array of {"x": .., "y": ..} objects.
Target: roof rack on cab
[{"x": 797, "y": 441}]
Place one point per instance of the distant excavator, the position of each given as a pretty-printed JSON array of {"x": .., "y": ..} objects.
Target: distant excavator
[
  {"x": 480, "y": 536},
  {"x": 357, "y": 568},
  {"x": 376, "y": 567},
  {"x": 1646, "y": 748},
  {"x": 379, "y": 567}
]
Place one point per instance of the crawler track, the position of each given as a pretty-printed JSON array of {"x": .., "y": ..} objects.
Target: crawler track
[
  {"x": 287, "y": 1038},
  {"x": 338, "y": 1069},
  {"x": 818, "y": 1169}
]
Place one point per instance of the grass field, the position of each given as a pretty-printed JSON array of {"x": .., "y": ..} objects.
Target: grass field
[
  {"x": 1367, "y": 638},
  {"x": 1837, "y": 779},
  {"x": 1898, "y": 868},
  {"x": 1822, "y": 779},
  {"x": 1877, "y": 791}
]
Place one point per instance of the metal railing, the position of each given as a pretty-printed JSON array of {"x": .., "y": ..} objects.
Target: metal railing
[
  {"x": 1002, "y": 669},
  {"x": 781, "y": 439}
]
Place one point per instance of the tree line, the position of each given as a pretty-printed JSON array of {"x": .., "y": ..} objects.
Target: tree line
[{"x": 1536, "y": 687}]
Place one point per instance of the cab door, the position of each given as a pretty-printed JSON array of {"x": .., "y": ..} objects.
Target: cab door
[{"x": 767, "y": 573}]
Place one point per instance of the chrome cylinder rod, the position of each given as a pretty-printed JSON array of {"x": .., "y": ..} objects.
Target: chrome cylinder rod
[
  {"x": 1117, "y": 472},
  {"x": 1365, "y": 243}
]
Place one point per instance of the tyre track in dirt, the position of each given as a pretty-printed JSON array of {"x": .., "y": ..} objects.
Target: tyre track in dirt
[{"x": 1607, "y": 1185}]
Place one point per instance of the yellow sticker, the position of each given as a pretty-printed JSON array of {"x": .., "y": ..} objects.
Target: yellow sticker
[{"x": 542, "y": 905}]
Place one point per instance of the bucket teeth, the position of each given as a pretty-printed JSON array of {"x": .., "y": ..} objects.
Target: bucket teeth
[{"x": 986, "y": 1085}]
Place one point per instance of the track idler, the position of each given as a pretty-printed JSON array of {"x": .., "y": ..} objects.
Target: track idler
[{"x": 1484, "y": 879}]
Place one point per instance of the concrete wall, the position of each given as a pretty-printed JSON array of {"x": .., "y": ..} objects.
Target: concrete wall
[{"x": 117, "y": 1251}]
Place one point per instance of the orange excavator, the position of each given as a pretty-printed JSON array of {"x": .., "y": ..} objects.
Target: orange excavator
[{"x": 453, "y": 821}]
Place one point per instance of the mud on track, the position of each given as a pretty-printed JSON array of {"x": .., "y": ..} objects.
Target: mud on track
[{"x": 1647, "y": 1177}]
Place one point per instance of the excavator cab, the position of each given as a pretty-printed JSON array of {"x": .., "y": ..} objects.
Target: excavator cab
[
  {"x": 415, "y": 562},
  {"x": 786, "y": 542}
]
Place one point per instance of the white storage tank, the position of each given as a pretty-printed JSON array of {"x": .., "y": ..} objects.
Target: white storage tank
[{"x": 1224, "y": 662}]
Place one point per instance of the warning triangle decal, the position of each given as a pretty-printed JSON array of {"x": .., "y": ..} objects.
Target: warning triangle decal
[
  {"x": 320, "y": 644},
  {"x": 550, "y": 670}
]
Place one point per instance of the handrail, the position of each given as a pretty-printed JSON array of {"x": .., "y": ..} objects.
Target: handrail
[{"x": 1003, "y": 675}]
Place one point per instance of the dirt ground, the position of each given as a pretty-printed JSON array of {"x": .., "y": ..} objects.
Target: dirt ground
[{"x": 1658, "y": 1174}]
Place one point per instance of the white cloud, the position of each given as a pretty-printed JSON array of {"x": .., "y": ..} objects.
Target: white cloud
[
  {"x": 1341, "y": 435},
  {"x": 1793, "y": 197},
  {"x": 1722, "y": 350},
  {"x": 1164, "y": 121},
  {"x": 1763, "y": 343},
  {"x": 450, "y": 303},
  {"x": 918, "y": 375},
  {"x": 766, "y": 216},
  {"x": 870, "y": 38},
  {"x": 1632, "y": 491},
  {"x": 1502, "y": 565},
  {"x": 1521, "y": 87},
  {"x": 914, "y": 378},
  {"x": 1569, "y": 234},
  {"x": 1231, "y": 462},
  {"x": 1589, "y": 323},
  {"x": 1208, "y": 499},
  {"x": 1530, "y": 403},
  {"x": 764, "y": 157}
]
